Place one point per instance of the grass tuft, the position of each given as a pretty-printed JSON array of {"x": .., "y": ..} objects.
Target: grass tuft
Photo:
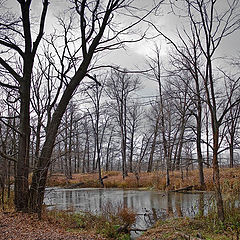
[{"x": 107, "y": 224}]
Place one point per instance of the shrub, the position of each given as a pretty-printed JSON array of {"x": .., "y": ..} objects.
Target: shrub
[{"x": 107, "y": 224}]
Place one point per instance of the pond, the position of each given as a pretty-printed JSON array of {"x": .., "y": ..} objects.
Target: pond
[{"x": 149, "y": 205}]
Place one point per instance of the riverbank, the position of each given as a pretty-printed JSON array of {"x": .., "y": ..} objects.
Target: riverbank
[
  {"x": 65, "y": 225},
  {"x": 229, "y": 177},
  {"x": 62, "y": 225},
  {"x": 202, "y": 228}
]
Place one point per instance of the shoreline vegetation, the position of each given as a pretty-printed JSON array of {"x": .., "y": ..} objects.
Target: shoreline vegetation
[
  {"x": 229, "y": 178},
  {"x": 115, "y": 224}
]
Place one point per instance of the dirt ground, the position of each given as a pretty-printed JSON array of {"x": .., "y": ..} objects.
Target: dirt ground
[{"x": 21, "y": 226}]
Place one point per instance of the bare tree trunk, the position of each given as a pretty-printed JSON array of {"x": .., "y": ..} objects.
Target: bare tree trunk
[
  {"x": 207, "y": 139},
  {"x": 150, "y": 160},
  {"x": 123, "y": 152},
  {"x": 21, "y": 179},
  {"x": 199, "y": 153},
  {"x": 131, "y": 151},
  {"x": 180, "y": 146},
  {"x": 108, "y": 150},
  {"x": 40, "y": 174},
  {"x": 70, "y": 144},
  {"x": 231, "y": 153},
  {"x": 216, "y": 177},
  {"x": 21, "y": 188}
]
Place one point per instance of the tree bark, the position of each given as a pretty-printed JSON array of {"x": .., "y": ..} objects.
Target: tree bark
[
  {"x": 199, "y": 154},
  {"x": 150, "y": 160},
  {"x": 22, "y": 167},
  {"x": 216, "y": 176}
]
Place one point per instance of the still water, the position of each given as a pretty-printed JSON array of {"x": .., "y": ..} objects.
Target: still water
[{"x": 149, "y": 205}]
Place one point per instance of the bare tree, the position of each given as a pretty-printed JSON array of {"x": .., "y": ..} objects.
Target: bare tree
[
  {"x": 156, "y": 126},
  {"x": 231, "y": 119},
  {"x": 95, "y": 24},
  {"x": 17, "y": 41},
  {"x": 156, "y": 67},
  {"x": 120, "y": 86},
  {"x": 186, "y": 64},
  {"x": 133, "y": 124},
  {"x": 210, "y": 26},
  {"x": 97, "y": 117}
]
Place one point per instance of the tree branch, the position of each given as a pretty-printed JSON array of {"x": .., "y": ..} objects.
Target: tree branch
[{"x": 10, "y": 70}]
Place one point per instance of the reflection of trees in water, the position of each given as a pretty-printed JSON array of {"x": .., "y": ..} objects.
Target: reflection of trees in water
[
  {"x": 100, "y": 200},
  {"x": 125, "y": 199},
  {"x": 178, "y": 205},
  {"x": 169, "y": 209},
  {"x": 150, "y": 206},
  {"x": 149, "y": 217},
  {"x": 201, "y": 205}
]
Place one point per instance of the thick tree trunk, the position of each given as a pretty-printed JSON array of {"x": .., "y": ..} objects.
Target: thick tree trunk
[
  {"x": 21, "y": 187},
  {"x": 40, "y": 174},
  {"x": 22, "y": 167}
]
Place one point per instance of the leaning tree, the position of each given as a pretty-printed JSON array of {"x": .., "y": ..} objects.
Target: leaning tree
[{"x": 88, "y": 29}]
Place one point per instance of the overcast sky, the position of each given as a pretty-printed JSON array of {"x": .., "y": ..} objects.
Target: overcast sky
[{"x": 136, "y": 54}]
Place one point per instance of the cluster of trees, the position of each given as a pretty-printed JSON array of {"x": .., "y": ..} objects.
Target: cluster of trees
[{"x": 53, "y": 120}]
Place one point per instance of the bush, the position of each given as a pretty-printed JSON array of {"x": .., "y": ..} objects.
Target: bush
[{"x": 108, "y": 224}]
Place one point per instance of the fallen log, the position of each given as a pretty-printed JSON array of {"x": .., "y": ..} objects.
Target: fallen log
[
  {"x": 75, "y": 185},
  {"x": 188, "y": 188}
]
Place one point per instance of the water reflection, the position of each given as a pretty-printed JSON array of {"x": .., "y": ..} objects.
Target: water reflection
[{"x": 149, "y": 205}]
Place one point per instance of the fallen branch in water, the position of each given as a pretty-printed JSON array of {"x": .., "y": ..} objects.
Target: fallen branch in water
[
  {"x": 75, "y": 185},
  {"x": 188, "y": 188}
]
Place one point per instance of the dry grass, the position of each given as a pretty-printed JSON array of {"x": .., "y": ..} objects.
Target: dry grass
[
  {"x": 230, "y": 180},
  {"x": 200, "y": 227},
  {"x": 106, "y": 224},
  {"x": 186, "y": 228}
]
